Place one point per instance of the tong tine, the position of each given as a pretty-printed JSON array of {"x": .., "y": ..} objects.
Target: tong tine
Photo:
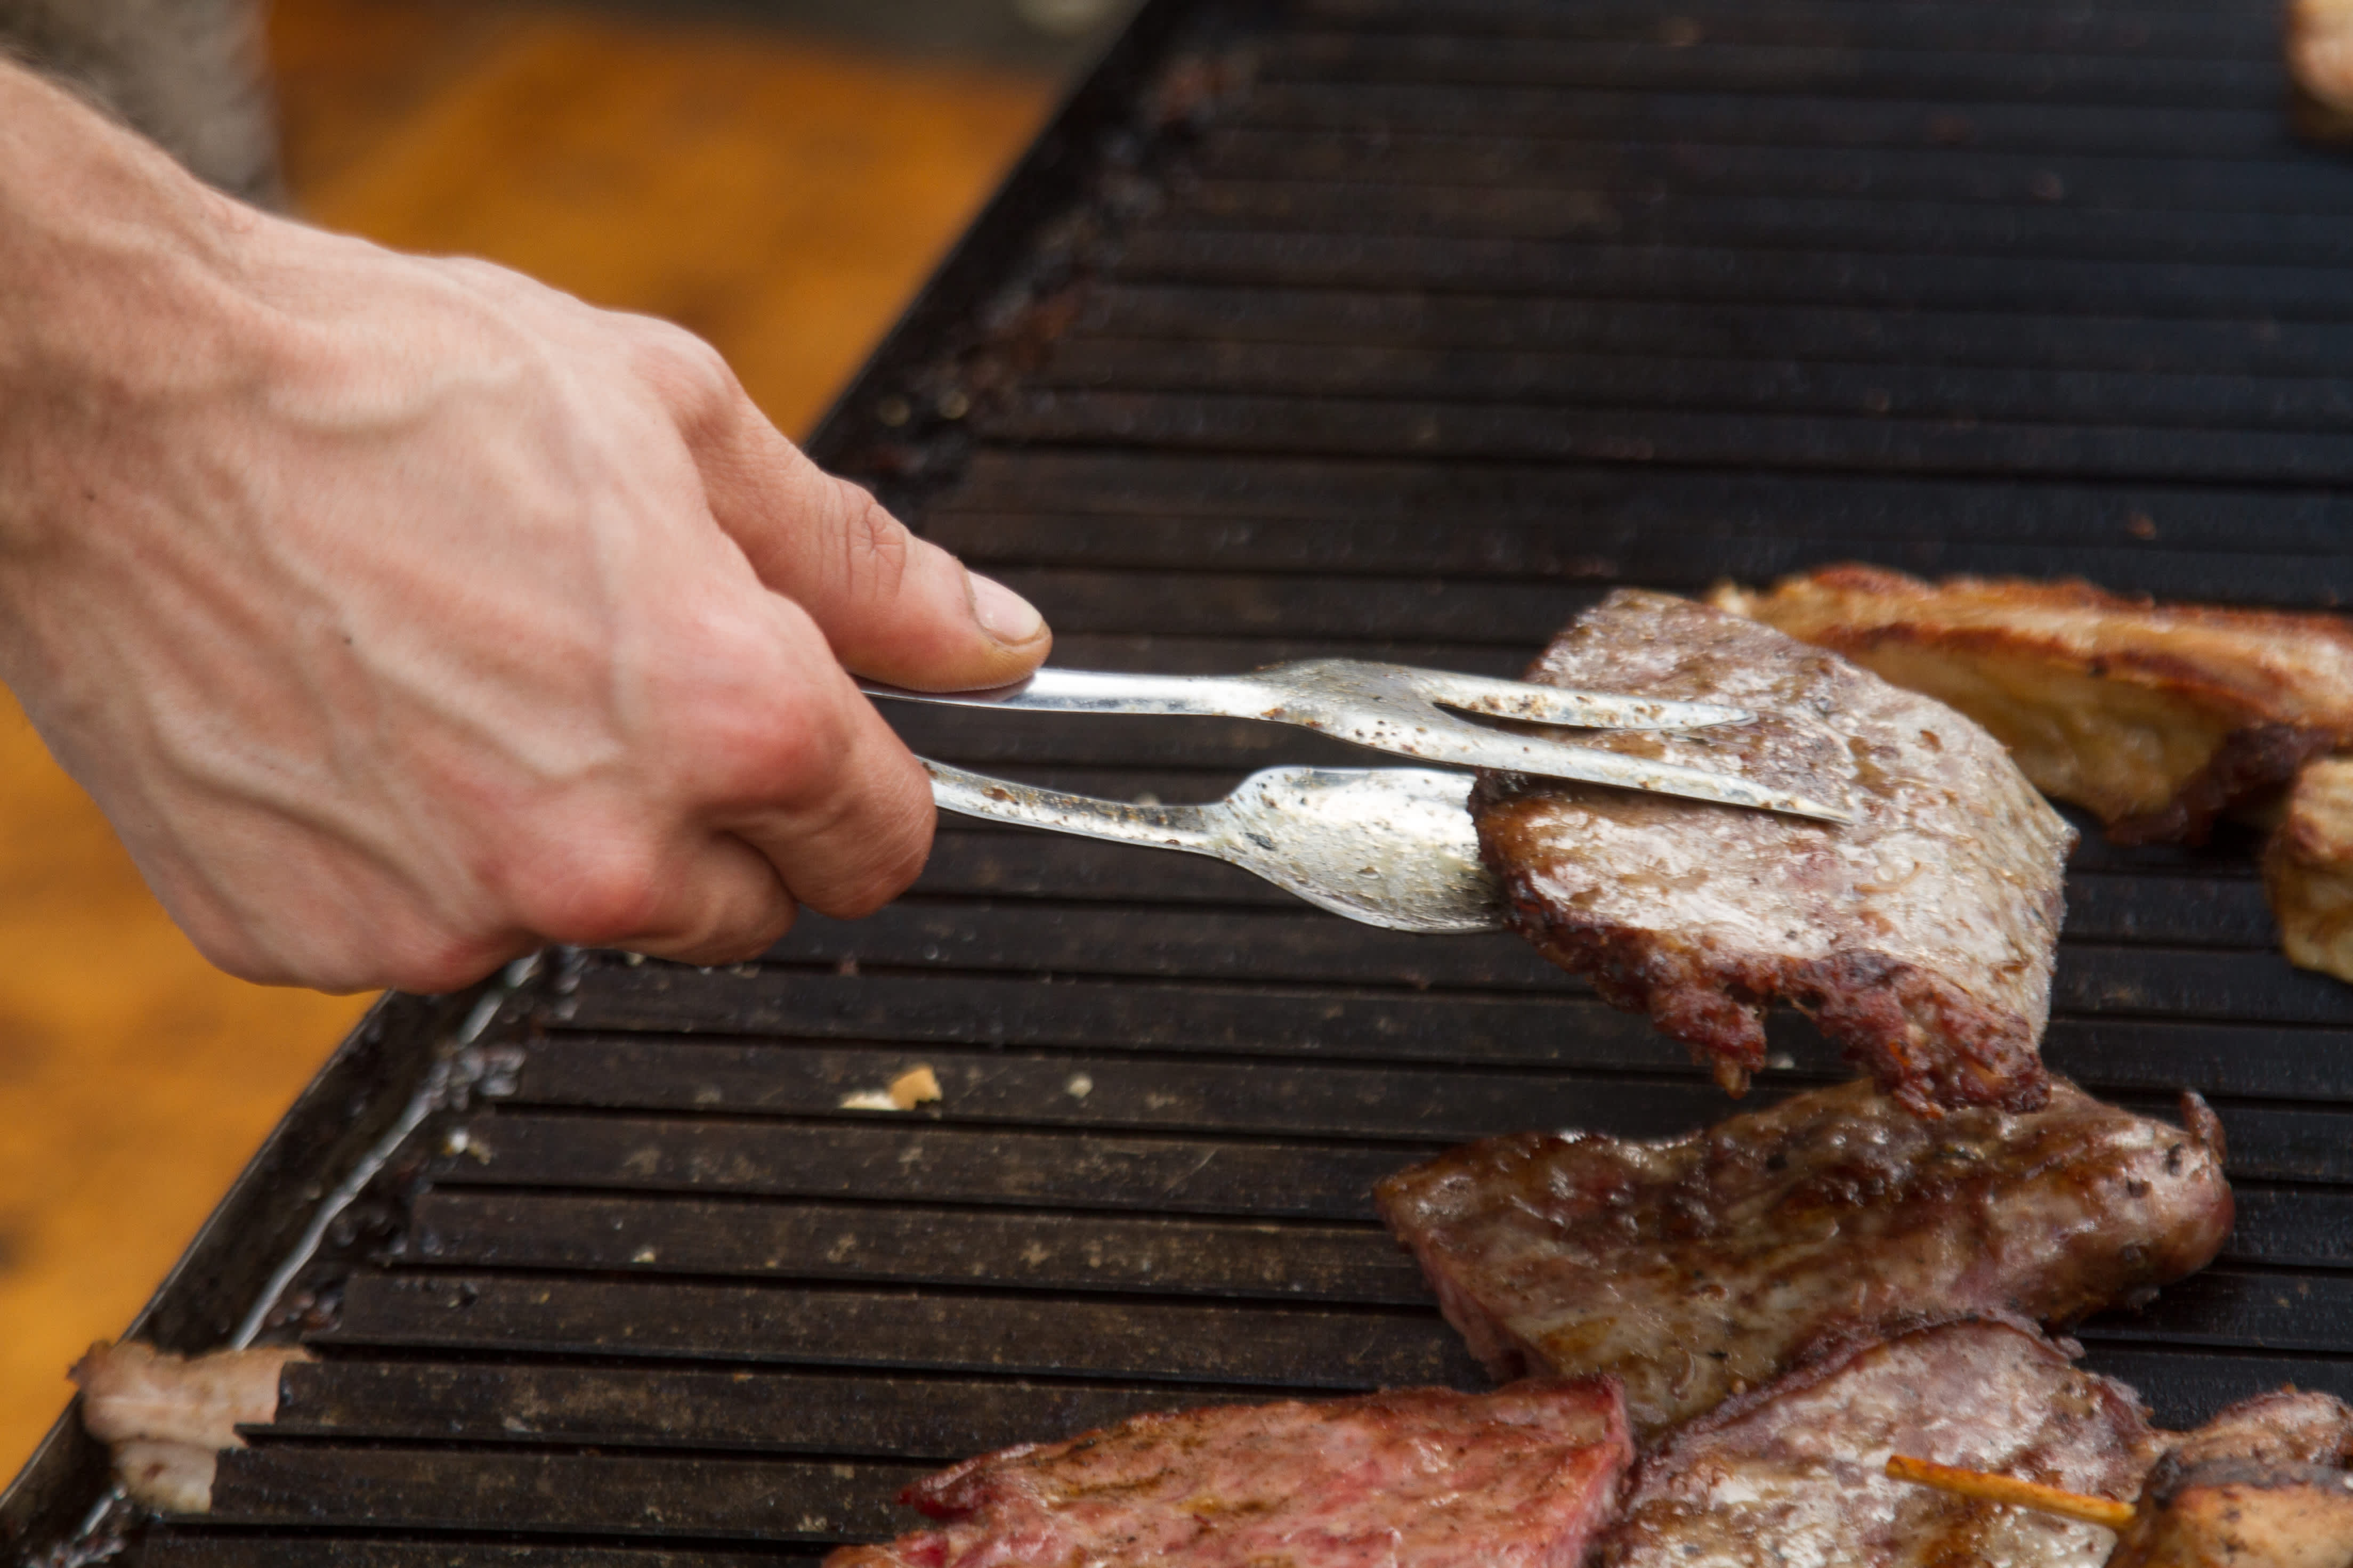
[{"x": 1529, "y": 703}]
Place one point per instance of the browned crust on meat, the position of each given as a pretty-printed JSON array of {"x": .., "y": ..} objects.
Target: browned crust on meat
[
  {"x": 1932, "y": 1044},
  {"x": 2238, "y": 1514},
  {"x": 2233, "y": 700}
]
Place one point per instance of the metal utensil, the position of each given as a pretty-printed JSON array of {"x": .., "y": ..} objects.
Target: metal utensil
[
  {"x": 1389, "y": 847},
  {"x": 1397, "y": 708}
]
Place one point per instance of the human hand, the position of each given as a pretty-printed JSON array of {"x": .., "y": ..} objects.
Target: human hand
[{"x": 404, "y": 616}]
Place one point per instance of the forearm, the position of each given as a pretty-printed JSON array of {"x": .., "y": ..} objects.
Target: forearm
[{"x": 118, "y": 272}]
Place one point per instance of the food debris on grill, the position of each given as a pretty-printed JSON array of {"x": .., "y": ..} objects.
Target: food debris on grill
[
  {"x": 2308, "y": 868},
  {"x": 2160, "y": 718},
  {"x": 916, "y": 1086},
  {"x": 1795, "y": 1473},
  {"x": 1519, "y": 1478},
  {"x": 166, "y": 1417},
  {"x": 1694, "y": 1268},
  {"x": 1920, "y": 938}
]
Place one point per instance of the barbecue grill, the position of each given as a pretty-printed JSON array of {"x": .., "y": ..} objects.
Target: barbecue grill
[{"x": 1393, "y": 328}]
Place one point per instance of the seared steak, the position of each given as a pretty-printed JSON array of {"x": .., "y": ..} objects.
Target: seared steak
[
  {"x": 1696, "y": 1266},
  {"x": 1416, "y": 1479},
  {"x": 1795, "y": 1473},
  {"x": 2159, "y": 717},
  {"x": 1920, "y": 937}
]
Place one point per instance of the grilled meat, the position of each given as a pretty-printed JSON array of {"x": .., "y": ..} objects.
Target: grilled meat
[
  {"x": 2319, "y": 48},
  {"x": 1920, "y": 938},
  {"x": 2244, "y": 1515},
  {"x": 2285, "y": 1427},
  {"x": 1696, "y": 1266},
  {"x": 1519, "y": 1478},
  {"x": 2260, "y": 1486},
  {"x": 1795, "y": 1473},
  {"x": 2159, "y": 717},
  {"x": 166, "y": 1417},
  {"x": 2308, "y": 868}
]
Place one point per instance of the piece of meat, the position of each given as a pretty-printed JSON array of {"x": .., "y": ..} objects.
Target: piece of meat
[
  {"x": 2285, "y": 1427},
  {"x": 1693, "y": 1268},
  {"x": 1920, "y": 938},
  {"x": 1795, "y": 1473},
  {"x": 2317, "y": 40},
  {"x": 1417, "y": 1478},
  {"x": 2244, "y": 1515},
  {"x": 2159, "y": 717},
  {"x": 2308, "y": 868},
  {"x": 165, "y": 1417},
  {"x": 2262, "y": 1486}
]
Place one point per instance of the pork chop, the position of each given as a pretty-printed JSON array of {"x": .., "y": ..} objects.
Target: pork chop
[
  {"x": 2157, "y": 716},
  {"x": 1921, "y": 938},
  {"x": 1795, "y": 1474},
  {"x": 1425, "y": 1478},
  {"x": 1693, "y": 1268}
]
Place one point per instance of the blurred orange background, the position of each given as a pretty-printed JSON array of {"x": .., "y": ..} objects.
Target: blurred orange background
[{"x": 781, "y": 192}]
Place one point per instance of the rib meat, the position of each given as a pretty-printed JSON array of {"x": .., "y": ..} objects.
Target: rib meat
[
  {"x": 2159, "y": 717},
  {"x": 1519, "y": 1478},
  {"x": 1795, "y": 1473},
  {"x": 1693, "y": 1268},
  {"x": 1921, "y": 938}
]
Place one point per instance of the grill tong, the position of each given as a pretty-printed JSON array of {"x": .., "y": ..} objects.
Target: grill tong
[
  {"x": 1397, "y": 708},
  {"x": 1389, "y": 847}
]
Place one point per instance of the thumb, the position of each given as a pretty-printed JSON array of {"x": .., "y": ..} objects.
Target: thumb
[{"x": 893, "y": 607}]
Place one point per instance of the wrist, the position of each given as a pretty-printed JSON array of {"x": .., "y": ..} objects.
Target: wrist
[{"x": 117, "y": 280}]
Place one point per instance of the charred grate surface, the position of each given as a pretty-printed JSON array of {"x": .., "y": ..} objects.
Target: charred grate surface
[{"x": 1458, "y": 311}]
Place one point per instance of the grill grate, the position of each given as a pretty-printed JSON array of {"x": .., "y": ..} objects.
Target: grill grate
[{"x": 1457, "y": 312}]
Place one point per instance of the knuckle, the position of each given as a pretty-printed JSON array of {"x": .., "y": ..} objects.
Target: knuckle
[
  {"x": 437, "y": 964},
  {"x": 742, "y": 939},
  {"x": 689, "y": 375},
  {"x": 590, "y": 894},
  {"x": 780, "y": 742}
]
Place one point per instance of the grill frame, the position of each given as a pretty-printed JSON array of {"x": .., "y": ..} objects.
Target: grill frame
[{"x": 1226, "y": 1027}]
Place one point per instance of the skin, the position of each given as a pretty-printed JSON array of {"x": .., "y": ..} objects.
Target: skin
[{"x": 404, "y": 616}]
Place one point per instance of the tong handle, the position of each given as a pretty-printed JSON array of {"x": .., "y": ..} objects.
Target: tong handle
[
  {"x": 1089, "y": 817},
  {"x": 1051, "y": 691}
]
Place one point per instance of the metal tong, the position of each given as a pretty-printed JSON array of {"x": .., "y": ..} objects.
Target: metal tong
[
  {"x": 1397, "y": 708},
  {"x": 1389, "y": 847}
]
